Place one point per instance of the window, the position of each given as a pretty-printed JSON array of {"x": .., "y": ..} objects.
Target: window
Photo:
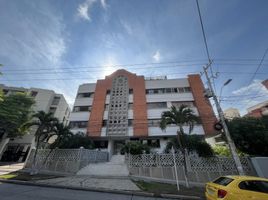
[
  {"x": 108, "y": 92},
  {"x": 85, "y": 95},
  {"x": 130, "y": 106},
  {"x": 156, "y": 105},
  {"x": 223, "y": 181},
  {"x": 78, "y": 124},
  {"x": 56, "y": 101},
  {"x": 82, "y": 108},
  {"x": 130, "y": 91},
  {"x": 33, "y": 93},
  {"x": 154, "y": 122},
  {"x": 130, "y": 122},
  {"x": 52, "y": 110},
  {"x": 104, "y": 123},
  {"x": 255, "y": 185},
  {"x": 177, "y": 104}
]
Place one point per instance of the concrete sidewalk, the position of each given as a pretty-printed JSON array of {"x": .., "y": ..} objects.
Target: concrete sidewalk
[{"x": 93, "y": 182}]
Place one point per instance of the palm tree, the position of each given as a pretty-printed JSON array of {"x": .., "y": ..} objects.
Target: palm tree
[
  {"x": 63, "y": 134},
  {"x": 183, "y": 116},
  {"x": 45, "y": 123}
]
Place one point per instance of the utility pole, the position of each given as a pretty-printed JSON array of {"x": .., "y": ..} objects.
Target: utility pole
[{"x": 225, "y": 128}]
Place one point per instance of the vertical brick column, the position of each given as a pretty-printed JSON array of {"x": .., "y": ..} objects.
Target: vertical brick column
[
  {"x": 203, "y": 105},
  {"x": 98, "y": 106},
  {"x": 140, "y": 121}
]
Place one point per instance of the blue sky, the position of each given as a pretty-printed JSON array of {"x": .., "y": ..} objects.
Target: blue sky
[{"x": 59, "y": 44}]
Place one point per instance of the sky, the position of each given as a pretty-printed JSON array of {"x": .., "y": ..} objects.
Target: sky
[{"x": 59, "y": 44}]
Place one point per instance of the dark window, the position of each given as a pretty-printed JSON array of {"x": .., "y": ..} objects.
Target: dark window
[
  {"x": 130, "y": 106},
  {"x": 223, "y": 181},
  {"x": 56, "y": 101},
  {"x": 78, "y": 124},
  {"x": 85, "y": 95},
  {"x": 52, "y": 110},
  {"x": 108, "y": 91},
  {"x": 157, "y": 105},
  {"x": 255, "y": 185},
  {"x": 104, "y": 123},
  {"x": 130, "y": 122},
  {"x": 82, "y": 109},
  {"x": 154, "y": 122},
  {"x": 130, "y": 91}
]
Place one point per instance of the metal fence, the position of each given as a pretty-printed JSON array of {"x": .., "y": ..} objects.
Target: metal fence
[
  {"x": 199, "y": 169},
  {"x": 65, "y": 160}
]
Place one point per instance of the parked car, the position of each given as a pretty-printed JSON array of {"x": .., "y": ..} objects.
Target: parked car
[{"x": 237, "y": 188}]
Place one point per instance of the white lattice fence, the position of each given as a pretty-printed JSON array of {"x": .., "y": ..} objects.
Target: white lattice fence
[
  {"x": 65, "y": 160},
  {"x": 194, "y": 163}
]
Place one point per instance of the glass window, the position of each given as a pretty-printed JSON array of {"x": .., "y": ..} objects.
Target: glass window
[
  {"x": 255, "y": 185},
  {"x": 85, "y": 95},
  {"x": 157, "y": 105},
  {"x": 56, "y": 101},
  {"x": 78, "y": 124},
  {"x": 223, "y": 181},
  {"x": 82, "y": 108}
]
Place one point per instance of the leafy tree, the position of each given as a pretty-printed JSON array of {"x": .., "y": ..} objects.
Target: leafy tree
[
  {"x": 15, "y": 111},
  {"x": 45, "y": 127},
  {"x": 250, "y": 135},
  {"x": 222, "y": 151},
  {"x": 135, "y": 148},
  {"x": 74, "y": 141},
  {"x": 193, "y": 143},
  {"x": 180, "y": 117}
]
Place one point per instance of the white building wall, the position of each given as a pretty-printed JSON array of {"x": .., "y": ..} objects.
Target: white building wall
[
  {"x": 168, "y": 83},
  {"x": 79, "y": 116},
  {"x": 43, "y": 99},
  {"x": 172, "y": 130}
]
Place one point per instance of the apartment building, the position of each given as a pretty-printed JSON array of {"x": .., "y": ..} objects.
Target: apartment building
[
  {"x": 231, "y": 113},
  {"x": 125, "y": 106},
  {"x": 16, "y": 149}
]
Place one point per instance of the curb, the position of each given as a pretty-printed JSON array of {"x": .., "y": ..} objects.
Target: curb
[{"x": 136, "y": 193}]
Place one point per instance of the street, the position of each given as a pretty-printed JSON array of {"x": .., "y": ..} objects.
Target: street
[{"x": 24, "y": 192}]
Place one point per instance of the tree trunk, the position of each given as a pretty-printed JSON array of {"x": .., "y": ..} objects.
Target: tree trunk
[{"x": 185, "y": 173}]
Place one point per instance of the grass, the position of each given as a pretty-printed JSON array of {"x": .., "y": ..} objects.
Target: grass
[
  {"x": 163, "y": 188},
  {"x": 22, "y": 176}
]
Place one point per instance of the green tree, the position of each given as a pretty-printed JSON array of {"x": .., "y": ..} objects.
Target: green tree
[
  {"x": 193, "y": 143},
  {"x": 135, "y": 148},
  {"x": 75, "y": 141},
  {"x": 183, "y": 116},
  {"x": 15, "y": 111},
  {"x": 250, "y": 135},
  {"x": 45, "y": 125}
]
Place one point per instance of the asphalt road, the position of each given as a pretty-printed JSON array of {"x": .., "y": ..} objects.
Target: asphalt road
[{"x": 25, "y": 192}]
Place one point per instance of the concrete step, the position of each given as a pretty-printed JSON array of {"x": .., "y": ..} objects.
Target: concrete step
[{"x": 116, "y": 167}]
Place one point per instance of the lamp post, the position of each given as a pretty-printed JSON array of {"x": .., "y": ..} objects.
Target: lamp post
[{"x": 226, "y": 83}]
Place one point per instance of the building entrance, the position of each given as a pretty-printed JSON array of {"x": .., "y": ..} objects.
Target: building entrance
[{"x": 118, "y": 145}]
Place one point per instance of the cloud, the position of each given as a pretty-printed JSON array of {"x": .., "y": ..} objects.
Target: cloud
[
  {"x": 84, "y": 9},
  {"x": 157, "y": 56},
  {"x": 250, "y": 95},
  {"x": 127, "y": 27}
]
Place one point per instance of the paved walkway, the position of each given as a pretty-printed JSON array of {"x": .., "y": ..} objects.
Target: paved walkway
[{"x": 91, "y": 182}]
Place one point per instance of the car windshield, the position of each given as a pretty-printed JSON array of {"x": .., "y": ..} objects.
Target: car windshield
[{"x": 223, "y": 181}]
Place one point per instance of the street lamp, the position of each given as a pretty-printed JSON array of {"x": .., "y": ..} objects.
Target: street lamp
[{"x": 226, "y": 83}]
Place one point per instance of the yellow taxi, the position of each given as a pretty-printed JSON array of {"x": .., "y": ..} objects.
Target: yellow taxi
[{"x": 237, "y": 188}]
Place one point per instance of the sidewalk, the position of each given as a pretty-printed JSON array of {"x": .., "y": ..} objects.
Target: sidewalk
[{"x": 91, "y": 182}]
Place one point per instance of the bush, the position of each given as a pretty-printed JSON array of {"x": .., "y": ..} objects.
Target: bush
[
  {"x": 193, "y": 143},
  {"x": 135, "y": 148}
]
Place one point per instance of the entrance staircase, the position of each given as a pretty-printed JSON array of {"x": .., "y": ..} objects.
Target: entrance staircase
[{"x": 116, "y": 167}]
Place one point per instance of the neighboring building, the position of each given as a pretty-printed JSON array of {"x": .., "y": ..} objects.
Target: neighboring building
[
  {"x": 231, "y": 113},
  {"x": 258, "y": 110},
  {"x": 17, "y": 149},
  {"x": 124, "y": 107}
]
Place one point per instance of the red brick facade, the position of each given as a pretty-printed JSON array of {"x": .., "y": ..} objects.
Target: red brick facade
[
  {"x": 137, "y": 83},
  {"x": 203, "y": 105}
]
